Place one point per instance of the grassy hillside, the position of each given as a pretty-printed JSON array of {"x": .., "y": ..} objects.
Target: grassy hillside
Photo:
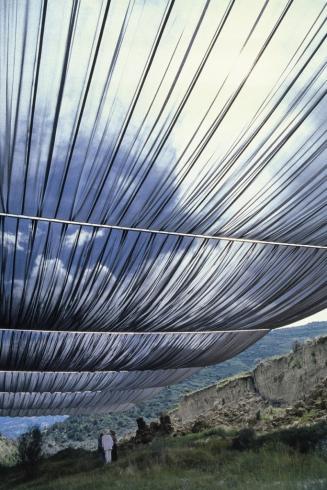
[
  {"x": 74, "y": 430},
  {"x": 288, "y": 460}
]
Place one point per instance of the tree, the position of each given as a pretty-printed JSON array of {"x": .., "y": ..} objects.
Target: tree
[{"x": 30, "y": 449}]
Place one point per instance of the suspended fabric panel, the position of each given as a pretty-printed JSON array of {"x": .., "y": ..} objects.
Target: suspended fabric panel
[
  {"x": 74, "y": 351},
  {"x": 205, "y": 119},
  {"x": 34, "y": 412},
  {"x": 59, "y": 277},
  {"x": 83, "y": 402},
  {"x": 51, "y": 382}
]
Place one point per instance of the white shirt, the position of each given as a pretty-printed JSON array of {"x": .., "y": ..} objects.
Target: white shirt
[{"x": 107, "y": 442}]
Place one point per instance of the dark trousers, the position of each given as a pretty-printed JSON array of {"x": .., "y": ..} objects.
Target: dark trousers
[{"x": 114, "y": 453}]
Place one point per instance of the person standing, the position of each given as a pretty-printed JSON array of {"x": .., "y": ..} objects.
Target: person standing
[
  {"x": 100, "y": 448},
  {"x": 107, "y": 444},
  {"x": 114, "y": 455}
]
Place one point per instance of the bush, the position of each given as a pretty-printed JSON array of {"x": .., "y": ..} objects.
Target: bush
[
  {"x": 302, "y": 439},
  {"x": 296, "y": 346},
  {"x": 30, "y": 449},
  {"x": 246, "y": 439},
  {"x": 200, "y": 426}
]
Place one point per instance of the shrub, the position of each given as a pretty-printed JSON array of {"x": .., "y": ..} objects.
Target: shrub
[
  {"x": 200, "y": 425},
  {"x": 302, "y": 439},
  {"x": 246, "y": 439},
  {"x": 30, "y": 449},
  {"x": 296, "y": 346}
]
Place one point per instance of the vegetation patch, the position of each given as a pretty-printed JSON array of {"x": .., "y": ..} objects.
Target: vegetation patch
[{"x": 289, "y": 459}]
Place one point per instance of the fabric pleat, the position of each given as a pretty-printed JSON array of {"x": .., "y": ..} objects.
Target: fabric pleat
[
  {"x": 86, "y": 401},
  {"x": 205, "y": 120},
  {"x": 67, "y": 351},
  {"x": 52, "y": 382},
  {"x": 143, "y": 282}
]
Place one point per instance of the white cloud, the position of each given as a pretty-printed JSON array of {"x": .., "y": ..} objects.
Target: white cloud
[
  {"x": 83, "y": 237},
  {"x": 11, "y": 241},
  {"x": 54, "y": 273}
]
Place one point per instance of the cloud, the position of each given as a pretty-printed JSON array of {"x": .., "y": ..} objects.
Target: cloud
[
  {"x": 11, "y": 241},
  {"x": 53, "y": 282},
  {"x": 54, "y": 275},
  {"x": 82, "y": 237}
]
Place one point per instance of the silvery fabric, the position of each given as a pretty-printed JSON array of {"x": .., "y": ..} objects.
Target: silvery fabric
[
  {"x": 67, "y": 351},
  {"x": 208, "y": 120}
]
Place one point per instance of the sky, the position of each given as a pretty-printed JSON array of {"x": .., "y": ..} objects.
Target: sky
[{"x": 318, "y": 317}]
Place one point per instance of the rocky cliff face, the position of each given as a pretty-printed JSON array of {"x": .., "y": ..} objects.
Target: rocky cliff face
[
  {"x": 289, "y": 378},
  {"x": 276, "y": 382}
]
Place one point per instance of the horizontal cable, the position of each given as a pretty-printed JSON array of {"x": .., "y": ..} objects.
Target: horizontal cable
[
  {"x": 85, "y": 332},
  {"x": 160, "y": 232}
]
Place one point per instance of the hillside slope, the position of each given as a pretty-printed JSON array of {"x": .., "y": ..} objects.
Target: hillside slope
[
  {"x": 215, "y": 459},
  {"x": 83, "y": 431},
  {"x": 257, "y": 430},
  {"x": 298, "y": 380}
]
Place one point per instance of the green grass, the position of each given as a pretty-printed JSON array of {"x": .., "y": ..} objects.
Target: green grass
[{"x": 195, "y": 461}]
